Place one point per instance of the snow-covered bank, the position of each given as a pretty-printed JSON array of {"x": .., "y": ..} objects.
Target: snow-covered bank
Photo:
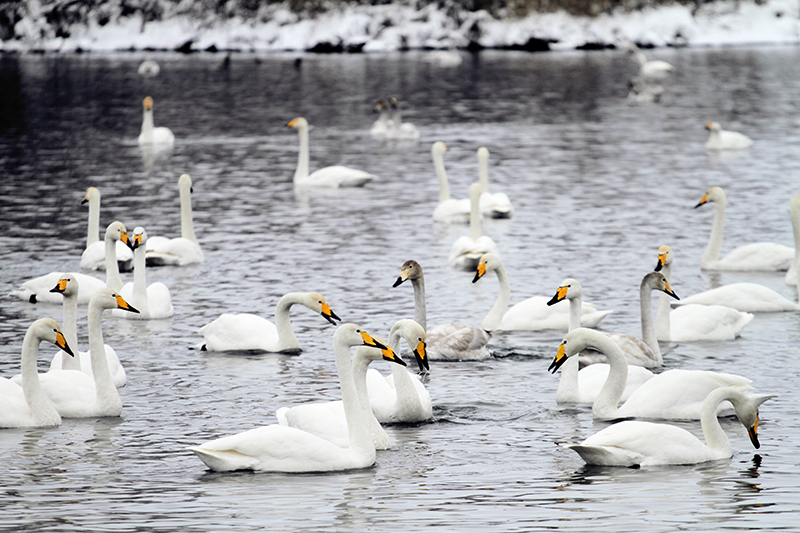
[{"x": 396, "y": 27}]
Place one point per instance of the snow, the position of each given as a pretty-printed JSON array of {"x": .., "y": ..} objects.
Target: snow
[{"x": 393, "y": 27}]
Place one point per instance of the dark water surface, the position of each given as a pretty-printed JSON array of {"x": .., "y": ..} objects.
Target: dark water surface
[{"x": 598, "y": 185}]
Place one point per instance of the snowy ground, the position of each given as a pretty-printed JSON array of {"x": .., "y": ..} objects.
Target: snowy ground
[{"x": 393, "y": 27}]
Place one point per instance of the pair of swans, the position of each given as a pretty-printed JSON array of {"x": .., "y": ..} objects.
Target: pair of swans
[
  {"x": 153, "y": 301},
  {"x": 447, "y": 342},
  {"x": 26, "y": 404},
  {"x": 246, "y": 331},
  {"x": 37, "y": 290},
  {"x": 94, "y": 256},
  {"x": 532, "y": 314},
  {"x": 278, "y": 448},
  {"x": 390, "y": 125},
  {"x": 764, "y": 256},
  {"x": 719, "y": 139},
  {"x": 151, "y": 136},
  {"x": 467, "y": 251},
  {"x": 327, "y": 177},
  {"x": 183, "y": 250}
]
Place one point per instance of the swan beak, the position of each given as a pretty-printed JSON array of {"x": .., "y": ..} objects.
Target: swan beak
[
  {"x": 389, "y": 355},
  {"x": 662, "y": 261},
  {"x": 422, "y": 357},
  {"x": 400, "y": 280},
  {"x": 85, "y": 199},
  {"x": 480, "y": 273},
  {"x": 669, "y": 291},
  {"x": 561, "y": 356},
  {"x": 753, "y": 433},
  {"x": 328, "y": 314},
  {"x": 122, "y": 304},
  {"x": 134, "y": 241},
  {"x": 292, "y": 124},
  {"x": 60, "y": 287},
  {"x": 61, "y": 342},
  {"x": 561, "y": 293},
  {"x": 369, "y": 341},
  {"x": 703, "y": 200},
  {"x": 708, "y": 125}
]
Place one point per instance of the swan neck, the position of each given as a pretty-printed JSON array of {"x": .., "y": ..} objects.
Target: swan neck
[
  {"x": 475, "y": 217},
  {"x": 715, "y": 436},
  {"x": 605, "y": 405},
  {"x": 483, "y": 172},
  {"x": 70, "y": 330},
  {"x": 360, "y": 366},
  {"x": 420, "y": 312},
  {"x": 795, "y": 214},
  {"x": 568, "y": 388},
  {"x": 147, "y": 125},
  {"x": 113, "y": 280},
  {"x": 287, "y": 340},
  {"x": 495, "y": 316},
  {"x": 41, "y": 407},
  {"x": 405, "y": 392},
  {"x": 302, "y": 159},
  {"x": 444, "y": 186},
  {"x": 356, "y": 425},
  {"x": 93, "y": 232},
  {"x": 712, "y": 251},
  {"x": 663, "y": 326},
  {"x": 104, "y": 386},
  {"x": 575, "y": 308},
  {"x": 648, "y": 329},
  {"x": 187, "y": 225}
]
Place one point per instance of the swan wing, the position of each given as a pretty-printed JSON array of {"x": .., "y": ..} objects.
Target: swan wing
[
  {"x": 323, "y": 419},
  {"x": 15, "y": 412},
  {"x": 707, "y": 322},
  {"x": 94, "y": 256},
  {"x": 240, "y": 331},
  {"x": 457, "y": 342},
  {"x": 114, "y": 365},
  {"x": 71, "y": 391},
  {"x": 452, "y": 210},
  {"x": 496, "y": 205},
  {"x": 159, "y": 301},
  {"x": 592, "y": 378},
  {"x": 767, "y": 256},
  {"x": 745, "y": 297},
  {"x": 337, "y": 176},
  {"x": 179, "y": 252},
  {"x": 37, "y": 290}
]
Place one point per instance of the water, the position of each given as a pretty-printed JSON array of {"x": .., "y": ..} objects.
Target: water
[{"x": 598, "y": 185}]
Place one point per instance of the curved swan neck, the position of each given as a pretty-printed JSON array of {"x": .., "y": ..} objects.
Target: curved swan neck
[
  {"x": 444, "y": 186},
  {"x": 663, "y": 325},
  {"x": 420, "y": 312},
  {"x": 495, "y": 316},
  {"x": 287, "y": 340},
  {"x": 356, "y": 426},
  {"x": 70, "y": 330},
  {"x": 303, "y": 157},
  {"x": 44, "y": 412},
  {"x": 648, "y": 330},
  {"x": 714, "y": 247},
  {"x": 113, "y": 280},
  {"x": 605, "y": 405},
  {"x": 104, "y": 386},
  {"x": 93, "y": 232},
  {"x": 715, "y": 436},
  {"x": 187, "y": 225}
]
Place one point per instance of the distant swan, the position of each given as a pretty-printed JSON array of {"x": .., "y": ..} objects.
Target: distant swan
[
  {"x": 493, "y": 205},
  {"x": 328, "y": 177},
  {"x": 467, "y": 251},
  {"x": 794, "y": 210},
  {"x": 532, "y": 314},
  {"x": 153, "y": 301},
  {"x": 449, "y": 342},
  {"x": 148, "y": 68},
  {"x": 94, "y": 256},
  {"x": 694, "y": 322},
  {"x": 278, "y": 448},
  {"x": 719, "y": 139},
  {"x": 401, "y": 130},
  {"x": 640, "y": 92},
  {"x": 448, "y": 209},
  {"x": 637, "y": 443},
  {"x": 27, "y": 405},
  {"x": 766, "y": 256},
  {"x": 183, "y": 250},
  {"x": 245, "y": 331},
  {"x": 674, "y": 394},
  {"x": 151, "y": 135},
  {"x": 382, "y": 127},
  {"x": 655, "y": 69}
]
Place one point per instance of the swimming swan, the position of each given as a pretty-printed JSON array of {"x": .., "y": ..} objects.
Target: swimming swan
[
  {"x": 694, "y": 322},
  {"x": 381, "y": 128},
  {"x": 94, "y": 256},
  {"x": 493, "y": 205},
  {"x": 584, "y": 385},
  {"x": 655, "y": 69},
  {"x": 151, "y": 135},
  {"x": 245, "y": 331},
  {"x": 532, "y": 314},
  {"x": 26, "y": 405},
  {"x": 719, "y": 139},
  {"x": 448, "y": 342},
  {"x": 328, "y": 177},
  {"x": 637, "y": 443},
  {"x": 766, "y": 256},
  {"x": 278, "y": 448},
  {"x": 467, "y": 251},
  {"x": 153, "y": 301},
  {"x": 403, "y": 131},
  {"x": 448, "y": 209},
  {"x": 674, "y": 394},
  {"x": 401, "y": 397},
  {"x": 183, "y": 250}
]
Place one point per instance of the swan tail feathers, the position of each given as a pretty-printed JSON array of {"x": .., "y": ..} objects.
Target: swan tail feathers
[
  {"x": 607, "y": 455},
  {"x": 224, "y": 460}
]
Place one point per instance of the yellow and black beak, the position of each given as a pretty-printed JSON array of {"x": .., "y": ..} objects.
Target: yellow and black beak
[
  {"x": 669, "y": 291},
  {"x": 134, "y": 241},
  {"x": 122, "y": 304},
  {"x": 662, "y": 260},
  {"x": 291, "y": 123},
  {"x": 60, "y": 287},
  {"x": 708, "y": 125},
  {"x": 328, "y": 314},
  {"x": 481, "y": 271},
  {"x": 753, "y": 433},
  {"x": 561, "y": 356},
  {"x": 401, "y": 278},
  {"x": 61, "y": 342},
  {"x": 369, "y": 341},
  {"x": 561, "y": 293},
  {"x": 702, "y": 201},
  {"x": 421, "y": 355},
  {"x": 389, "y": 355},
  {"x": 85, "y": 198}
]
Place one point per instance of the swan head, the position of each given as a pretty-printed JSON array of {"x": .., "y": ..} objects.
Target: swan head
[
  {"x": 439, "y": 148},
  {"x": 714, "y": 194},
  {"x": 665, "y": 257},
  {"x": 46, "y": 329},
  {"x": 92, "y": 194},
  {"x": 316, "y": 302},
  {"x": 137, "y": 238},
  {"x": 483, "y": 154},
  {"x": 380, "y": 105},
  {"x": 299, "y": 123},
  {"x": 569, "y": 289},
  {"x": 67, "y": 285},
  {"x": 352, "y": 335},
  {"x": 747, "y": 412},
  {"x": 410, "y": 270},
  {"x": 147, "y": 103},
  {"x": 487, "y": 262},
  {"x": 578, "y": 340},
  {"x": 656, "y": 281},
  {"x": 185, "y": 183},
  {"x": 117, "y": 231},
  {"x": 106, "y": 298},
  {"x": 415, "y": 336},
  {"x": 713, "y": 126}
]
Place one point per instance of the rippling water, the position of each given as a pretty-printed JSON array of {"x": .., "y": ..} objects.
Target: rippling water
[{"x": 598, "y": 185}]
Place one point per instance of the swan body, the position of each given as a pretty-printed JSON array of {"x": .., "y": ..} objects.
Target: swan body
[
  {"x": 153, "y": 301},
  {"x": 148, "y": 68},
  {"x": 279, "y": 448},
  {"x": 245, "y": 331},
  {"x": 443, "y": 58},
  {"x": 584, "y": 385},
  {"x": 640, "y": 92},
  {"x": 151, "y": 135},
  {"x": 94, "y": 256},
  {"x": 492, "y": 205},
  {"x": 694, "y": 322},
  {"x": 719, "y": 139},
  {"x": 448, "y": 209},
  {"x": 655, "y": 69},
  {"x": 327, "y": 177},
  {"x": 674, "y": 394},
  {"x": 183, "y": 250},
  {"x": 75, "y": 394},
  {"x": 467, "y": 251},
  {"x": 794, "y": 210},
  {"x": 637, "y": 443},
  {"x": 446, "y": 342},
  {"x": 745, "y": 297},
  {"x": 25, "y": 404},
  {"x": 764, "y": 256},
  {"x": 533, "y": 314}
]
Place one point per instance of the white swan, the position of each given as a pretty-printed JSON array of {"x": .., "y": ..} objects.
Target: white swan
[
  {"x": 328, "y": 420},
  {"x": 745, "y": 297},
  {"x": 493, "y": 205},
  {"x": 328, "y": 177},
  {"x": 382, "y": 127},
  {"x": 792, "y": 277},
  {"x": 448, "y": 342},
  {"x": 719, "y": 139},
  {"x": 694, "y": 322},
  {"x": 637, "y": 443},
  {"x": 584, "y": 385},
  {"x": 766, "y": 256},
  {"x": 94, "y": 256},
  {"x": 640, "y": 92},
  {"x": 467, "y": 251},
  {"x": 68, "y": 287},
  {"x": 286, "y": 449},
  {"x": 532, "y": 314},
  {"x": 448, "y": 209},
  {"x": 27, "y": 405},
  {"x": 401, "y": 397},
  {"x": 153, "y": 301},
  {"x": 75, "y": 394},
  {"x": 403, "y": 131},
  {"x": 443, "y": 58},
  {"x": 37, "y": 290},
  {"x": 148, "y": 68},
  {"x": 183, "y": 250},
  {"x": 151, "y": 135},
  {"x": 655, "y": 69},
  {"x": 245, "y": 331},
  {"x": 674, "y": 394}
]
